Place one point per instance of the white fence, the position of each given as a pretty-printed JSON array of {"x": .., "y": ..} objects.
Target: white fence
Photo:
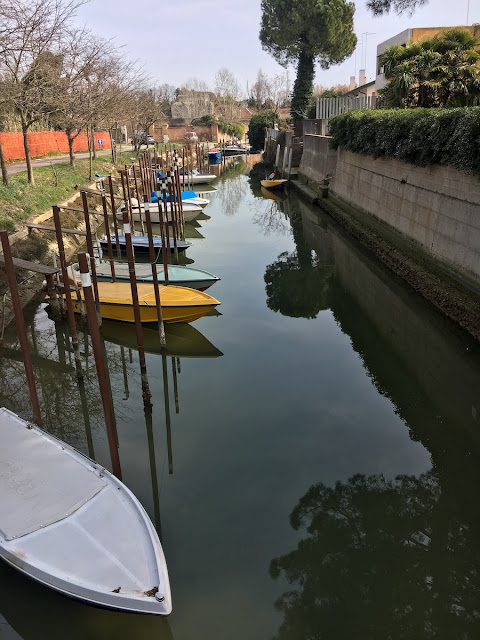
[{"x": 329, "y": 107}]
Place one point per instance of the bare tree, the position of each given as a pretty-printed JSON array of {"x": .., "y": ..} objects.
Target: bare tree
[
  {"x": 30, "y": 58},
  {"x": 228, "y": 93}
]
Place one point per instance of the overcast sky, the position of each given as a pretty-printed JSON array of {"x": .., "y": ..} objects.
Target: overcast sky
[{"x": 178, "y": 40}]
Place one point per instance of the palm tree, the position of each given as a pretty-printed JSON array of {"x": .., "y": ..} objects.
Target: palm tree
[{"x": 440, "y": 71}]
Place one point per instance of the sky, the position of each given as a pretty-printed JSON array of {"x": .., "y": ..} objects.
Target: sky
[{"x": 177, "y": 41}]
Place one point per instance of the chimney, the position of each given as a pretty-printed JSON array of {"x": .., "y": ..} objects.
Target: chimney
[
  {"x": 353, "y": 84},
  {"x": 362, "y": 79}
]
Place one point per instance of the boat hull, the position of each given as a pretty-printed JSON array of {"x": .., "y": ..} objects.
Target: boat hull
[
  {"x": 140, "y": 244},
  {"x": 76, "y": 528},
  {"x": 273, "y": 184},
  {"x": 178, "y": 275},
  {"x": 179, "y": 304}
]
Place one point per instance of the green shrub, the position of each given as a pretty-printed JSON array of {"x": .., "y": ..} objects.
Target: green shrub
[
  {"x": 256, "y": 128},
  {"x": 423, "y": 137}
]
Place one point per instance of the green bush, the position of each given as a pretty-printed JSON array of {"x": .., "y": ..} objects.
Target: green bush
[
  {"x": 420, "y": 136},
  {"x": 256, "y": 128}
]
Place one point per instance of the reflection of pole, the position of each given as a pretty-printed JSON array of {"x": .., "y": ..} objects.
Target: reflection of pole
[
  {"x": 175, "y": 386},
  {"x": 147, "y": 408},
  {"x": 66, "y": 289},
  {"x": 19, "y": 321},
  {"x": 135, "y": 305},
  {"x": 99, "y": 362},
  {"x": 167, "y": 413},
  {"x": 86, "y": 418},
  {"x": 124, "y": 369}
]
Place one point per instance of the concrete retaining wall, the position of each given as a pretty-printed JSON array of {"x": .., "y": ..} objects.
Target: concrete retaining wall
[
  {"x": 318, "y": 160},
  {"x": 436, "y": 207}
]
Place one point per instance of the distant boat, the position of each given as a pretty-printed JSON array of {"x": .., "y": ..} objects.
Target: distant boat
[
  {"x": 183, "y": 340},
  {"x": 190, "y": 212},
  {"x": 273, "y": 184},
  {"x": 195, "y": 177},
  {"x": 140, "y": 243},
  {"x": 179, "y": 304},
  {"x": 178, "y": 275},
  {"x": 214, "y": 153},
  {"x": 235, "y": 150},
  {"x": 188, "y": 197},
  {"x": 68, "y": 523}
]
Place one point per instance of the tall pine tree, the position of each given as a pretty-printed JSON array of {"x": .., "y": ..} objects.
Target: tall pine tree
[{"x": 306, "y": 32}]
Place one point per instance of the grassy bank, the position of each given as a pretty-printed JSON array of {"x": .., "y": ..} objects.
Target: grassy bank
[{"x": 21, "y": 201}]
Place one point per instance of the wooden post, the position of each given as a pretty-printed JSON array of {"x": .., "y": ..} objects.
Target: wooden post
[
  {"x": 153, "y": 262},
  {"x": 66, "y": 288},
  {"x": 109, "y": 237},
  {"x": 92, "y": 255},
  {"x": 20, "y": 324},
  {"x": 136, "y": 307},
  {"x": 114, "y": 213},
  {"x": 99, "y": 363}
]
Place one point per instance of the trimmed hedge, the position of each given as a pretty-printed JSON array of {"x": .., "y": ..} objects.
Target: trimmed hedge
[{"x": 420, "y": 136}]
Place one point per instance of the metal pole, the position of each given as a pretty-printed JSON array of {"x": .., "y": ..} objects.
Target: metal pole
[
  {"x": 20, "y": 323},
  {"x": 99, "y": 363}
]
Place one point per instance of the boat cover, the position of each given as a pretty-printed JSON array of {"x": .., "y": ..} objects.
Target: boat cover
[{"x": 39, "y": 484}]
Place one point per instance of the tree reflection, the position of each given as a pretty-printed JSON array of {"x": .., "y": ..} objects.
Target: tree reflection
[
  {"x": 383, "y": 559},
  {"x": 297, "y": 285}
]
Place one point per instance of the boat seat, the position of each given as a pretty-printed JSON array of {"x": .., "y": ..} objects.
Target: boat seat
[{"x": 61, "y": 486}]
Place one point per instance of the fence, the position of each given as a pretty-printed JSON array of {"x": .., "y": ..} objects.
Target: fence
[{"x": 329, "y": 107}]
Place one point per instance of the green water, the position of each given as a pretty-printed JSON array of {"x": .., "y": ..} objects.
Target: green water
[{"x": 316, "y": 476}]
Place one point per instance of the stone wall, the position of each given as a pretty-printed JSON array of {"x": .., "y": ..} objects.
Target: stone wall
[
  {"x": 437, "y": 208},
  {"x": 318, "y": 160}
]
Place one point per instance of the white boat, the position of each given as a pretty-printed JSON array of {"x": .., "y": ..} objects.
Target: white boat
[
  {"x": 68, "y": 523},
  {"x": 195, "y": 177},
  {"x": 190, "y": 212}
]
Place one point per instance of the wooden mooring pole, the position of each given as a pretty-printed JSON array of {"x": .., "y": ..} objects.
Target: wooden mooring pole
[
  {"x": 99, "y": 363},
  {"x": 136, "y": 308},
  {"x": 20, "y": 323}
]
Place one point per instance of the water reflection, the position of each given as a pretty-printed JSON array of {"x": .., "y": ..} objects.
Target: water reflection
[
  {"x": 297, "y": 283},
  {"x": 391, "y": 559}
]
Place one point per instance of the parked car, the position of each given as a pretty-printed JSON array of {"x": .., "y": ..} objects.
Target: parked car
[{"x": 142, "y": 138}]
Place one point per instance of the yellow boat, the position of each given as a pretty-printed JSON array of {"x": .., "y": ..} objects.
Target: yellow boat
[
  {"x": 179, "y": 304},
  {"x": 273, "y": 184}
]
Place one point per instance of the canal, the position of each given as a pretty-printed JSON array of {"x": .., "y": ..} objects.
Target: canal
[{"x": 311, "y": 457}]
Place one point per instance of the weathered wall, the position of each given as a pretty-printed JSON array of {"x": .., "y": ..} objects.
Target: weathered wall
[
  {"x": 436, "y": 207},
  {"x": 43, "y": 142},
  {"x": 318, "y": 160},
  {"x": 177, "y": 134}
]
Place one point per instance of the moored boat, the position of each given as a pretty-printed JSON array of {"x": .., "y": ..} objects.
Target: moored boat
[
  {"x": 273, "y": 183},
  {"x": 179, "y": 304},
  {"x": 68, "y": 523},
  {"x": 190, "y": 212},
  {"x": 140, "y": 243},
  {"x": 195, "y": 177},
  {"x": 178, "y": 275}
]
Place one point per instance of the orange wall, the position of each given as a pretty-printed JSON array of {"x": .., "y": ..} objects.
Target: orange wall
[{"x": 42, "y": 142}]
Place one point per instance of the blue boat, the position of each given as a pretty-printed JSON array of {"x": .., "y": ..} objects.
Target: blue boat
[{"x": 140, "y": 243}]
